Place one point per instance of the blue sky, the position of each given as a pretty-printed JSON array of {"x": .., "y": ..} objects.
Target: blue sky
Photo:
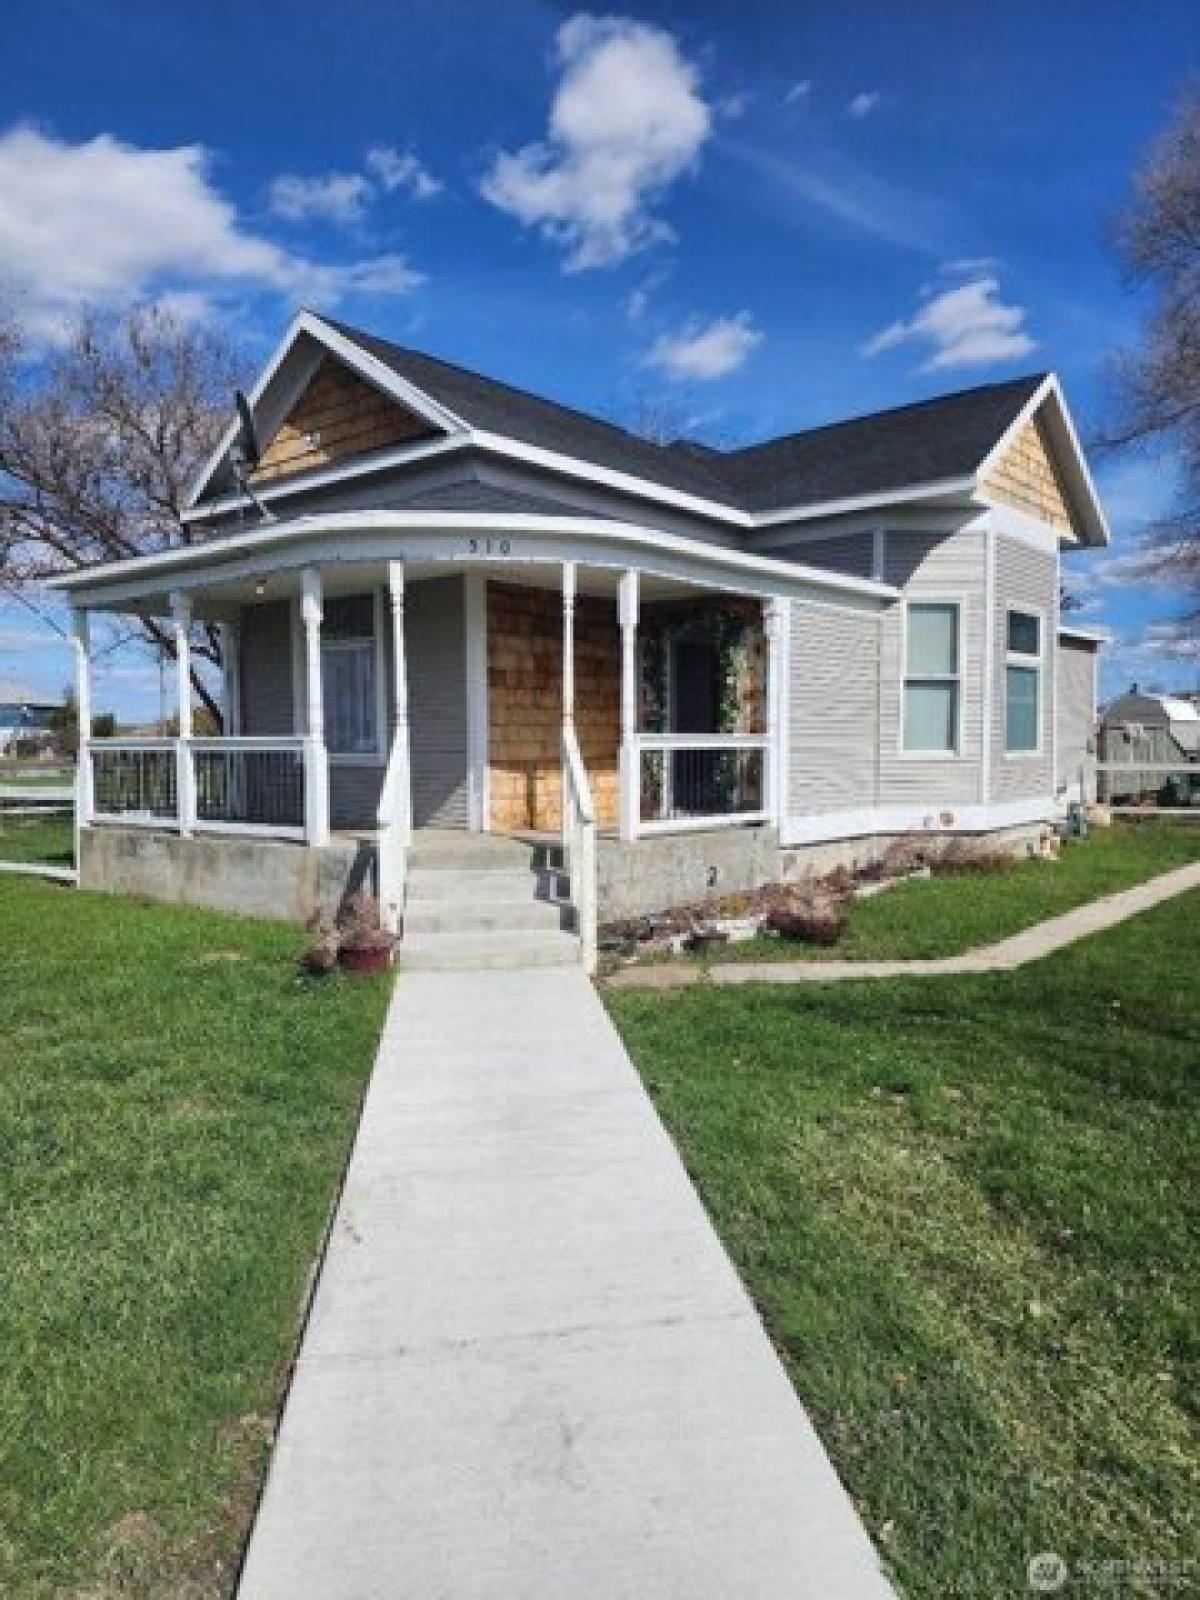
[{"x": 758, "y": 217}]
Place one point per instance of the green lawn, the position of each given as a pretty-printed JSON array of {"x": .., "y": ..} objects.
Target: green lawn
[
  {"x": 176, "y": 1105},
  {"x": 968, "y": 1210},
  {"x": 949, "y": 913},
  {"x": 50, "y": 839}
]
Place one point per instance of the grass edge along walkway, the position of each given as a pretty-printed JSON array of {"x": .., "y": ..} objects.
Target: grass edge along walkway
[{"x": 1031, "y": 944}]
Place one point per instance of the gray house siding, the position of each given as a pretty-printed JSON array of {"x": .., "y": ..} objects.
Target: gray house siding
[
  {"x": 1026, "y": 579},
  {"x": 935, "y": 567},
  {"x": 833, "y": 689},
  {"x": 1076, "y": 710},
  {"x": 268, "y": 707},
  {"x": 435, "y": 643}
]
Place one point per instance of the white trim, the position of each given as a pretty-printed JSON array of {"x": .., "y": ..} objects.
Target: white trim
[
  {"x": 783, "y": 713},
  {"x": 1024, "y": 529},
  {"x": 879, "y": 555},
  {"x": 988, "y": 667},
  {"x": 357, "y": 358},
  {"x": 629, "y": 775},
  {"x": 1096, "y": 636},
  {"x": 367, "y": 535},
  {"x": 735, "y": 819},
  {"x": 320, "y": 477},
  {"x": 939, "y": 488},
  {"x": 1030, "y": 663},
  {"x": 865, "y": 821},
  {"x": 1090, "y": 511},
  {"x": 476, "y": 646},
  {"x": 933, "y": 598}
]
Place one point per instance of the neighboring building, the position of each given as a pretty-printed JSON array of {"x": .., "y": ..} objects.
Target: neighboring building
[
  {"x": 25, "y": 716},
  {"x": 1078, "y": 700},
  {"x": 1158, "y": 737},
  {"x": 449, "y": 604}
]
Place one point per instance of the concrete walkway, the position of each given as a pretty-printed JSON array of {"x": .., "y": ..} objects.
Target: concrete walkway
[
  {"x": 530, "y": 1371},
  {"x": 1043, "y": 939}
]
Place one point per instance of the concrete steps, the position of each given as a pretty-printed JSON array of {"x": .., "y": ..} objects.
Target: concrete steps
[{"x": 477, "y": 901}]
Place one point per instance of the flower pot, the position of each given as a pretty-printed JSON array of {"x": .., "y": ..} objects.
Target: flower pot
[{"x": 369, "y": 958}]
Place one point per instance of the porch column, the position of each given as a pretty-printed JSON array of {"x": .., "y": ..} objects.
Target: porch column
[
  {"x": 185, "y": 785},
  {"x": 773, "y": 766},
  {"x": 231, "y": 679},
  {"x": 630, "y": 776},
  {"x": 568, "y": 660},
  {"x": 400, "y": 696},
  {"x": 80, "y": 641},
  {"x": 316, "y": 766}
]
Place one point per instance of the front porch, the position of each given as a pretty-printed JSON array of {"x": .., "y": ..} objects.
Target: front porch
[{"x": 363, "y": 700}]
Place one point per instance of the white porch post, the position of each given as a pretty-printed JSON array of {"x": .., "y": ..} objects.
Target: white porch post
[
  {"x": 773, "y": 766},
  {"x": 316, "y": 766},
  {"x": 568, "y": 661},
  {"x": 568, "y": 673},
  {"x": 630, "y": 776},
  {"x": 80, "y": 640},
  {"x": 231, "y": 678},
  {"x": 185, "y": 784},
  {"x": 400, "y": 692}
]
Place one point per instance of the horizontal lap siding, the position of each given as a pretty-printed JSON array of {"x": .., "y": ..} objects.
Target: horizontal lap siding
[
  {"x": 1025, "y": 477},
  {"x": 933, "y": 567},
  {"x": 832, "y": 704},
  {"x": 435, "y": 646},
  {"x": 1026, "y": 579},
  {"x": 1076, "y": 686},
  {"x": 354, "y": 795},
  {"x": 268, "y": 708}
]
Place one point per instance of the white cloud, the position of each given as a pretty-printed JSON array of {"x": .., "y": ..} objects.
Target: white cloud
[
  {"x": 733, "y": 106},
  {"x": 969, "y": 266},
  {"x": 333, "y": 197},
  {"x": 103, "y": 223},
  {"x": 705, "y": 350},
  {"x": 962, "y": 327},
  {"x": 798, "y": 91},
  {"x": 863, "y": 103},
  {"x": 400, "y": 169},
  {"x": 1177, "y": 640},
  {"x": 625, "y": 122}
]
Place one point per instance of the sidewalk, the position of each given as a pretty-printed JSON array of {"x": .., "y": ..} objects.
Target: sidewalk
[
  {"x": 530, "y": 1371},
  {"x": 1043, "y": 939}
]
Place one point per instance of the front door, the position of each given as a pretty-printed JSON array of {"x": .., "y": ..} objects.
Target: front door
[
  {"x": 435, "y": 646},
  {"x": 695, "y": 708}
]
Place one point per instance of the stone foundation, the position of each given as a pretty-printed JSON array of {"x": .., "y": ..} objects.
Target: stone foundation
[
  {"x": 802, "y": 863},
  {"x": 257, "y": 877}
]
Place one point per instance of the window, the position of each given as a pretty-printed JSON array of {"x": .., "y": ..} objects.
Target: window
[
  {"x": 1023, "y": 684},
  {"x": 348, "y": 676},
  {"x": 931, "y": 678}
]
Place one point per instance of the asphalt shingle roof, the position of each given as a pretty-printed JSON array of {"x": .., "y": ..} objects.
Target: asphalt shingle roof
[{"x": 946, "y": 437}]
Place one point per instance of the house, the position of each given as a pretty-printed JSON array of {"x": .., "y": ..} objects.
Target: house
[
  {"x": 26, "y": 717},
  {"x": 456, "y": 613},
  {"x": 1157, "y": 738}
]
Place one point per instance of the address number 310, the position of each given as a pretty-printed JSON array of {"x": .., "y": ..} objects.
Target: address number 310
[{"x": 489, "y": 547}]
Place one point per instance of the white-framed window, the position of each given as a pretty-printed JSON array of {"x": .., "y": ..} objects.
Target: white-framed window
[
  {"x": 348, "y": 676},
  {"x": 1023, "y": 683},
  {"x": 932, "y": 676}
]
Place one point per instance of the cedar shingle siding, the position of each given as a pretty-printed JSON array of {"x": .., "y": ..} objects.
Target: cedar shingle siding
[{"x": 338, "y": 415}]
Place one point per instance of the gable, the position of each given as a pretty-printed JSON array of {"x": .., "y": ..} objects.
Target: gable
[
  {"x": 1026, "y": 478},
  {"x": 337, "y": 415}
]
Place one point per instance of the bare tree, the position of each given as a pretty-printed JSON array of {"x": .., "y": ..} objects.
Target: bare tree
[
  {"x": 98, "y": 443},
  {"x": 1158, "y": 383}
]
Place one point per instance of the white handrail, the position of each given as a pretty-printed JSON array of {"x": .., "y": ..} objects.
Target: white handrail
[
  {"x": 579, "y": 840},
  {"x": 395, "y": 827},
  {"x": 702, "y": 741}
]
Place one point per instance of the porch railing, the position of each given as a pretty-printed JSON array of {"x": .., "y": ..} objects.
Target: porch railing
[
  {"x": 700, "y": 780},
  {"x": 1149, "y": 786},
  {"x": 234, "y": 785},
  {"x": 579, "y": 842}
]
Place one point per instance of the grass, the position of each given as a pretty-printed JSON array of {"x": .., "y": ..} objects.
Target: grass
[
  {"x": 953, "y": 912},
  {"x": 967, "y": 1208},
  {"x": 176, "y": 1105},
  {"x": 49, "y": 839}
]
